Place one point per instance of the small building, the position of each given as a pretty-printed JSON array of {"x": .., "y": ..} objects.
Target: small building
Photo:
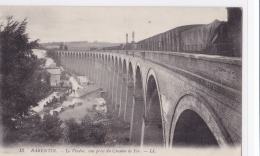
[
  {"x": 66, "y": 83},
  {"x": 83, "y": 80},
  {"x": 90, "y": 91},
  {"x": 93, "y": 49},
  {"x": 53, "y": 64},
  {"x": 55, "y": 75},
  {"x": 101, "y": 105}
]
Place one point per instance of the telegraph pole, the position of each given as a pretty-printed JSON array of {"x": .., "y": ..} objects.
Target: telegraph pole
[{"x": 133, "y": 35}]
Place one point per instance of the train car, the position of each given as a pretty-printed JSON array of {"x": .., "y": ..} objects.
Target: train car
[
  {"x": 120, "y": 47},
  {"x": 167, "y": 41},
  {"x": 206, "y": 39},
  {"x": 209, "y": 39},
  {"x": 129, "y": 46}
]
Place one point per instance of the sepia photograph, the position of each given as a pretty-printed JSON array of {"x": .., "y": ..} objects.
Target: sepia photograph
[{"x": 121, "y": 80}]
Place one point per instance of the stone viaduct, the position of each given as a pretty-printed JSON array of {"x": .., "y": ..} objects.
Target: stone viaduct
[{"x": 169, "y": 98}]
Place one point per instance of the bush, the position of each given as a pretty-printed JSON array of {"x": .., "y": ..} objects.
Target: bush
[
  {"x": 74, "y": 132},
  {"x": 49, "y": 130},
  {"x": 51, "y": 53},
  {"x": 33, "y": 129},
  {"x": 90, "y": 130},
  {"x": 97, "y": 128}
]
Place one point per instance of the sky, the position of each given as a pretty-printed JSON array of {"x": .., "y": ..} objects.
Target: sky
[{"x": 107, "y": 24}]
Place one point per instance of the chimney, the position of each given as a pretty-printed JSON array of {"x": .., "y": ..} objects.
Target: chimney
[
  {"x": 126, "y": 38},
  {"x": 133, "y": 35}
]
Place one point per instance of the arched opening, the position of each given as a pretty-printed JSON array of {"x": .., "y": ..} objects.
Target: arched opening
[
  {"x": 66, "y": 61},
  {"x": 106, "y": 72},
  {"x": 98, "y": 68},
  {"x": 191, "y": 130},
  {"x": 82, "y": 64},
  {"x": 123, "y": 90},
  {"x": 153, "y": 130},
  {"x": 94, "y": 68},
  {"x": 79, "y": 64},
  {"x": 101, "y": 71},
  {"x": 119, "y": 87},
  {"x": 109, "y": 76},
  {"x": 115, "y": 84},
  {"x": 76, "y": 63},
  {"x": 130, "y": 93},
  {"x": 91, "y": 67},
  {"x": 112, "y": 72},
  {"x": 67, "y": 57},
  {"x": 138, "y": 110},
  {"x": 74, "y": 59},
  {"x": 88, "y": 65}
]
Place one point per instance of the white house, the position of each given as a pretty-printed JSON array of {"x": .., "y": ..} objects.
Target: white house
[{"x": 55, "y": 75}]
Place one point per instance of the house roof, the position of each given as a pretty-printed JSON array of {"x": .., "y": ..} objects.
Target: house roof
[
  {"x": 83, "y": 78},
  {"x": 84, "y": 91},
  {"x": 56, "y": 109},
  {"x": 100, "y": 100},
  {"x": 73, "y": 101},
  {"x": 54, "y": 71}
]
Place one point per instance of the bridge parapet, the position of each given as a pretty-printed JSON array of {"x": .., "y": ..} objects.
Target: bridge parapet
[
  {"x": 222, "y": 74},
  {"x": 223, "y": 70}
]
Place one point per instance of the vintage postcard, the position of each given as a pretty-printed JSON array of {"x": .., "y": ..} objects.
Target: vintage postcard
[{"x": 121, "y": 80}]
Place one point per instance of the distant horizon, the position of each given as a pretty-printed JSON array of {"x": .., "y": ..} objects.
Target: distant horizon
[{"x": 76, "y": 41}]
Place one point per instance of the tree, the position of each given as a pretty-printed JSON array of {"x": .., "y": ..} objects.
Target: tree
[
  {"x": 48, "y": 131},
  {"x": 24, "y": 127},
  {"x": 61, "y": 83},
  {"x": 65, "y": 47},
  {"x": 63, "y": 75},
  {"x": 61, "y": 46},
  {"x": 74, "y": 132},
  {"x": 33, "y": 129},
  {"x": 51, "y": 53},
  {"x": 20, "y": 70},
  {"x": 90, "y": 130}
]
